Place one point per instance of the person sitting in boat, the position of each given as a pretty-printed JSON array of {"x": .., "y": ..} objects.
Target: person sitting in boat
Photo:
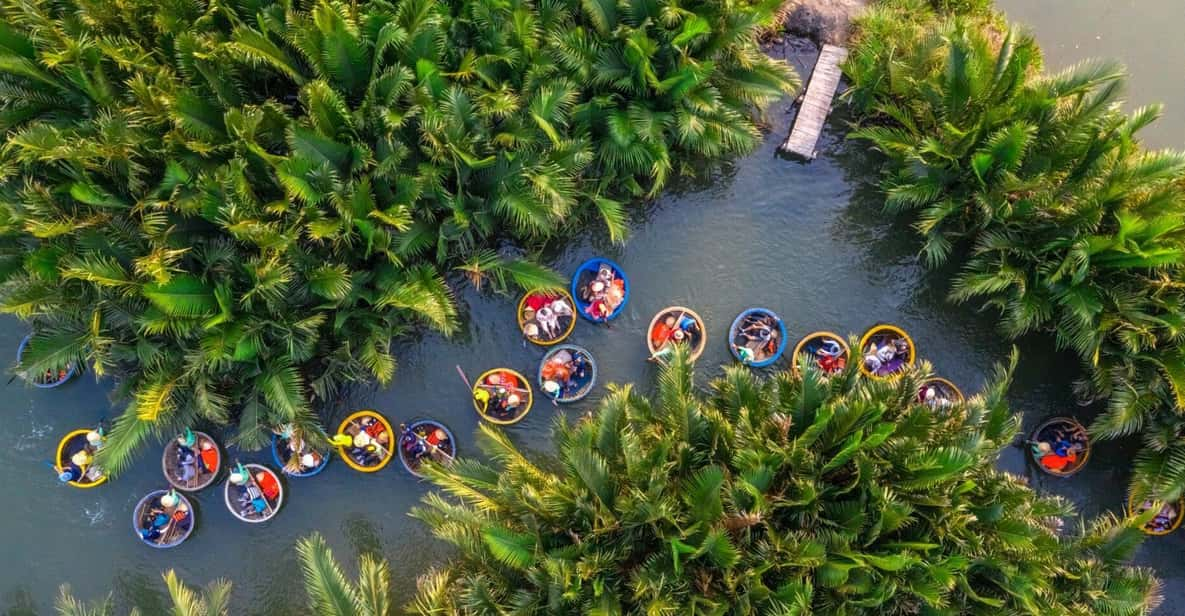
[
  {"x": 579, "y": 366},
  {"x": 268, "y": 485},
  {"x": 558, "y": 367},
  {"x": 553, "y": 389},
  {"x": 434, "y": 444},
  {"x": 1069, "y": 438},
  {"x": 614, "y": 294},
  {"x": 561, "y": 308},
  {"x": 251, "y": 501},
  {"x": 504, "y": 405},
  {"x": 531, "y": 330},
  {"x": 668, "y": 348},
  {"x": 872, "y": 363},
  {"x": 1165, "y": 518},
  {"x": 187, "y": 460},
  {"x": 830, "y": 357},
  {"x": 934, "y": 397},
  {"x": 74, "y": 470},
  {"x": 364, "y": 451},
  {"x": 549, "y": 323},
  {"x": 53, "y": 376},
  {"x": 662, "y": 332},
  {"x": 744, "y": 353},
  {"x": 1054, "y": 461},
  {"x": 605, "y": 274},
  {"x": 598, "y": 305}
]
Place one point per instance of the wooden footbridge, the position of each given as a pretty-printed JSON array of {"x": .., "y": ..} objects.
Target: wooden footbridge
[{"x": 816, "y": 102}]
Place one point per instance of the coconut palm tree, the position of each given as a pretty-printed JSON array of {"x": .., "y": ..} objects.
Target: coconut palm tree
[
  {"x": 213, "y": 600},
  {"x": 235, "y": 207},
  {"x": 1066, "y": 225},
  {"x": 789, "y": 495},
  {"x": 332, "y": 594}
]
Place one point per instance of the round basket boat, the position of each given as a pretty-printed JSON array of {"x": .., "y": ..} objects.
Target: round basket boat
[
  {"x": 1072, "y": 438},
  {"x": 879, "y": 337},
  {"x": 945, "y": 394},
  {"x": 89, "y": 475},
  {"x": 48, "y": 380},
  {"x": 567, "y": 373},
  {"x": 291, "y": 462},
  {"x": 194, "y": 469},
  {"x": 545, "y": 317},
  {"x": 258, "y": 499},
  {"x": 757, "y": 337},
  {"x": 607, "y": 304},
  {"x": 162, "y": 527},
  {"x": 425, "y": 439},
  {"x": 1153, "y": 527},
  {"x": 498, "y": 396},
  {"x": 827, "y": 350},
  {"x": 370, "y": 437},
  {"x": 688, "y": 328}
]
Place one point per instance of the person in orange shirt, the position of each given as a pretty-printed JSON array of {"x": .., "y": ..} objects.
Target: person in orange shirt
[
  {"x": 268, "y": 485},
  {"x": 209, "y": 457},
  {"x": 662, "y": 332},
  {"x": 1054, "y": 461}
]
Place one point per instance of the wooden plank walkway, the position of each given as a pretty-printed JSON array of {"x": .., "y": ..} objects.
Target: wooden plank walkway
[{"x": 816, "y": 103}]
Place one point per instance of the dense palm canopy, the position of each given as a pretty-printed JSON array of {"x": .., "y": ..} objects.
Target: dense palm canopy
[
  {"x": 329, "y": 591},
  {"x": 781, "y": 496},
  {"x": 1066, "y": 224},
  {"x": 236, "y": 205}
]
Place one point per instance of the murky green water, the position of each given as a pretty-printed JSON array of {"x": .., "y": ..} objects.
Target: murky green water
[{"x": 807, "y": 241}]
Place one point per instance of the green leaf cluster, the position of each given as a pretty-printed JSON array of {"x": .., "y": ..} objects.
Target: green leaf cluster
[
  {"x": 1038, "y": 186},
  {"x": 812, "y": 495},
  {"x": 236, "y": 205}
]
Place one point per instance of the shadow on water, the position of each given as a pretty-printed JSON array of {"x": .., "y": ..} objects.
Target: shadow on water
[{"x": 809, "y": 241}]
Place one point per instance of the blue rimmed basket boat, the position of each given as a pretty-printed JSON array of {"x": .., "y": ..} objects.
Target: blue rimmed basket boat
[
  {"x": 580, "y": 383},
  {"x": 758, "y": 351},
  {"x": 585, "y": 275}
]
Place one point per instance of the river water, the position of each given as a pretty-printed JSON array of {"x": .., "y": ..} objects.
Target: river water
[{"x": 808, "y": 241}]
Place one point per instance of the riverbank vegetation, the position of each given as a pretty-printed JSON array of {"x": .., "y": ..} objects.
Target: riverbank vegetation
[
  {"x": 234, "y": 207},
  {"x": 780, "y": 496},
  {"x": 1037, "y": 185},
  {"x": 330, "y": 592}
]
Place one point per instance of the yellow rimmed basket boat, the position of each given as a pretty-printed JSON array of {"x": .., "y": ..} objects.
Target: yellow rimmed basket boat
[
  {"x": 498, "y": 396},
  {"x": 876, "y": 338},
  {"x": 686, "y": 327},
  {"x": 944, "y": 390},
  {"x": 71, "y": 444},
  {"x": 546, "y": 317},
  {"x": 822, "y": 344},
  {"x": 358, "y": 454},
  {"x": 1133, "y": 510}
]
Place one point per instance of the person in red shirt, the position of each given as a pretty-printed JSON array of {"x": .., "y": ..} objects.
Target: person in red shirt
[
  {"x": 1055, "y": 462},
  {"x": 268, "y": 485},
  {"x": 436, "y": 437},
  {"x": 209, "y": 457},
  {"x": 662, "y": 332},
  {"x": 831, "y": 364}
]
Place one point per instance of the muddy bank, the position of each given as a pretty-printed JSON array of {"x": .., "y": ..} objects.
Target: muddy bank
[{"x": 821, "y": 21}]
